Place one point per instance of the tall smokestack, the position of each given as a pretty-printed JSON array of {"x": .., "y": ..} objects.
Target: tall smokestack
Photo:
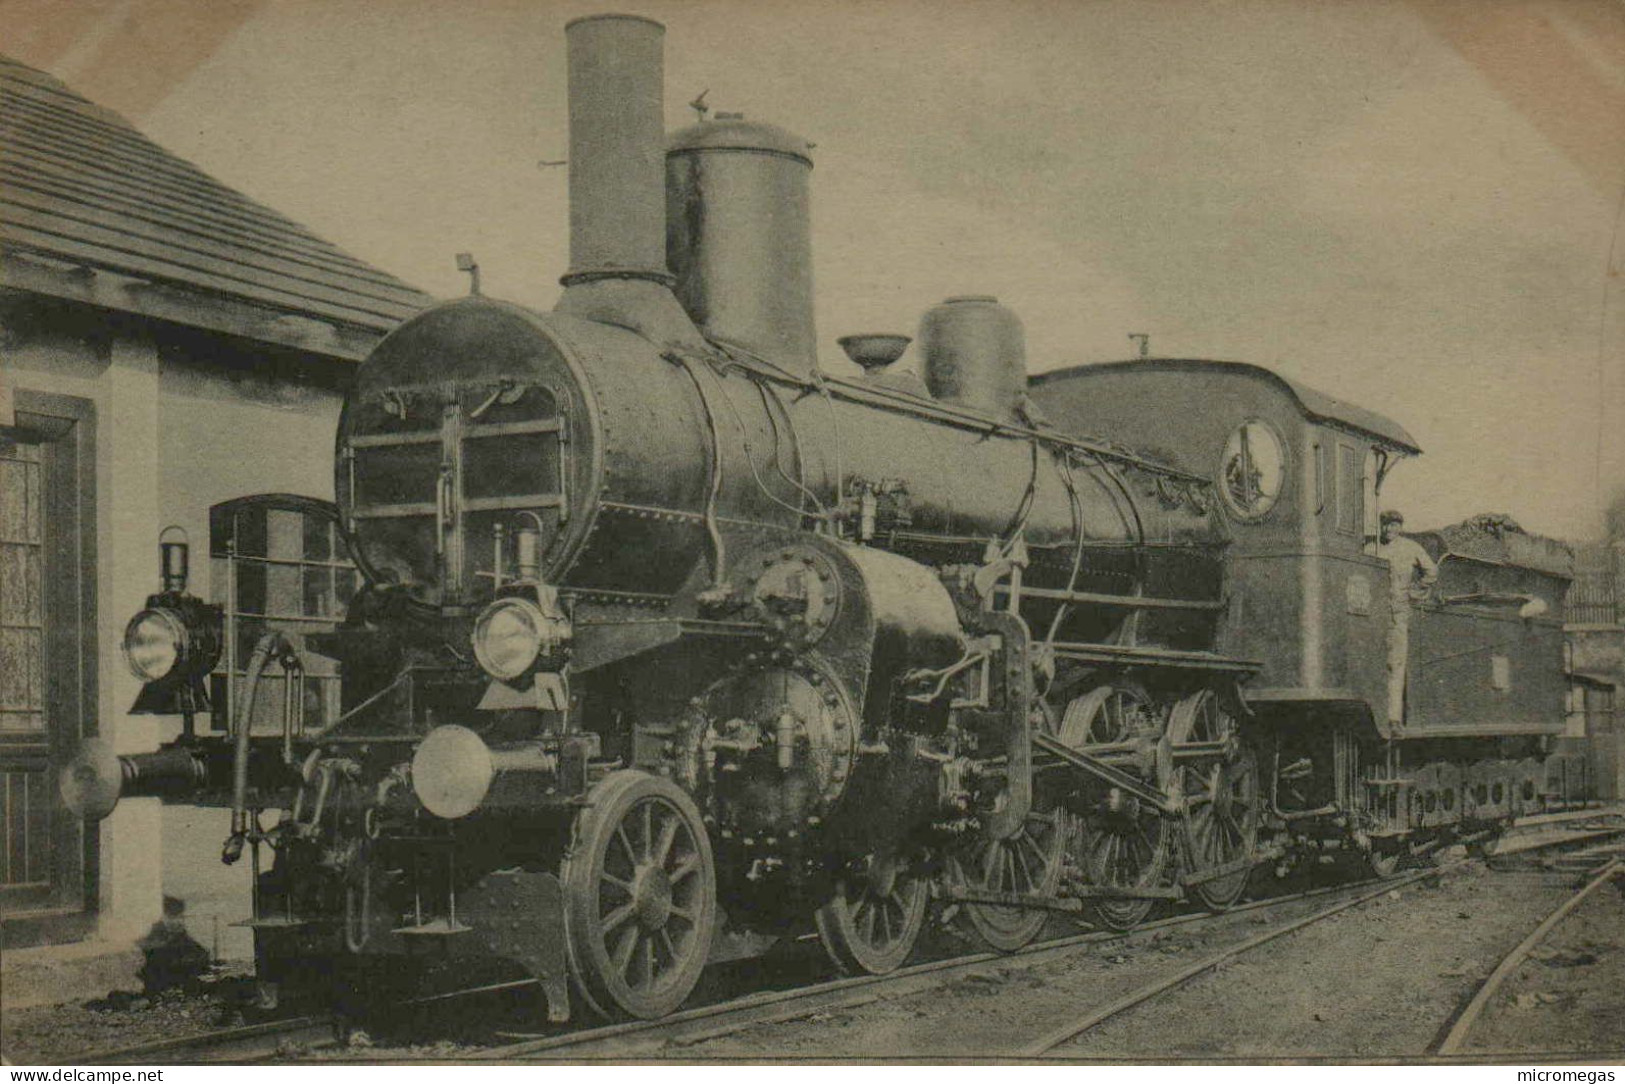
[{"x": 617, "y": 149}]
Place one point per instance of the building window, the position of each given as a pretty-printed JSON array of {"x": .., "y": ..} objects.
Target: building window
[
  {"x": 279, "y": 564},
  {"x": 22, "y": 588}
]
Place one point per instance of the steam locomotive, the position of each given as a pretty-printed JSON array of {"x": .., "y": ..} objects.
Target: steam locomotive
[{"x": 664, "y": 631}]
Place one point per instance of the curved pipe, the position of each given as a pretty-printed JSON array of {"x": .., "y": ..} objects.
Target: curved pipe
[{"x": 271, "y": 643}]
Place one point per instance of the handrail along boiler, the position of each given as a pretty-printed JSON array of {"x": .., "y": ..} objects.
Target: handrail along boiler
[{"x": 663, "y": 629}]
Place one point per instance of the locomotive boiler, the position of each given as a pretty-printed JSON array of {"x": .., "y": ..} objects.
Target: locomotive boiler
[{"x": 666, "y": 631}]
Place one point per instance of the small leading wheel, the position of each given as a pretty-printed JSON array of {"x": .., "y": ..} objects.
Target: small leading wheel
[
  {"x": 640, "y": 896},
  {"x": 871, "y": 923},
  {"x": 1221, "y": 794}
]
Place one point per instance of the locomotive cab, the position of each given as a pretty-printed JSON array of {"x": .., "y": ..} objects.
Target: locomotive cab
[{"x": 1298, "y": 474}]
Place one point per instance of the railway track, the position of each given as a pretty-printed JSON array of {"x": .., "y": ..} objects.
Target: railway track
[
  {"x": 1455, "y": 1040},
  {"x": 302, "y": 1036},
  {"x": 1072, "y": 1030},
  {"x": 637, "y": 1038}
]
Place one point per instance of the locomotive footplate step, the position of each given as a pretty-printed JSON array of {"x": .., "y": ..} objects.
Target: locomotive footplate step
[
  {"x": 1202, "y": 876},
  {"x": 1015, "y": 899},
  {"x": 1125, "y": 892},
  {"x": 440, "y": 927}
]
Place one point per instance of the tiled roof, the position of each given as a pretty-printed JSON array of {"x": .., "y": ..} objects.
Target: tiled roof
[{"x": 80, "y": 184}]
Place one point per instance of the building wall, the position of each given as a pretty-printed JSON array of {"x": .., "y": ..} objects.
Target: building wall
[
  {"x": 174, "y": 435},
  {"x": 225, "y": 436},
  {"x": 1599, "y": 651}
]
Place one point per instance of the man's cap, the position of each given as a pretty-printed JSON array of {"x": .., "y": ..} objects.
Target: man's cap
[{"x": 1393, "y": 515}]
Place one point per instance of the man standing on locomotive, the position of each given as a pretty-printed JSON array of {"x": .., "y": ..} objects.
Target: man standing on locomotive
[{"x": 1411, "y": 573}]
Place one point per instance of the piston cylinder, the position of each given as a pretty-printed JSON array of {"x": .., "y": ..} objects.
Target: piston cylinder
[
  {"x": 738, "y": 237},
  {"x": 975, "y": 355}
]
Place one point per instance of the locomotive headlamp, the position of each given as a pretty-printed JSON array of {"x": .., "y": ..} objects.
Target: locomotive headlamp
[
  {"x": 513, "y": 634},
  {"x": 173, "y": 642},
  {"x": 154, "y": 642},
  {"x": 508, "y": 637}
]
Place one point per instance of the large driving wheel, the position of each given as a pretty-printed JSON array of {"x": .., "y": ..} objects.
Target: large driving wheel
[
  {"x": 1028, "y": 862},
  {"x": 1127, "y": 847},
  {"x": 871, "y": 923},
  {"x": 1221, "y": 794},
  {"x": 1129, "y": 852},
  {"x": 640, "y": 896}
]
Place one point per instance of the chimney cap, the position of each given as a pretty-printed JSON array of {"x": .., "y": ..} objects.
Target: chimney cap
[
  {"x": 615, "y": 15},
  {"x": 740, "y": 135}
]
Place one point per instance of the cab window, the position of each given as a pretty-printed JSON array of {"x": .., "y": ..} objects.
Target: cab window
[
  {"x": 1252, "y": 470},
  {"x": 1351, "y": 487}
]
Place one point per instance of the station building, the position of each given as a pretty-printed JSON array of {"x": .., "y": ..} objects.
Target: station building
[{"x": 166, "y": 345}]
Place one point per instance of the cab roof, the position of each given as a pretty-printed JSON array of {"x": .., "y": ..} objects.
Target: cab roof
[{"x": 1316, "y": 405}]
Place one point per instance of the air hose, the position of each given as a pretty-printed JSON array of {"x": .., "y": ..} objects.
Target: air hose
[{"x": 271, "y": 643}]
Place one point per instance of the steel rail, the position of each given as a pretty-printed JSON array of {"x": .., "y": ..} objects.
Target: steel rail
[
  {"x": 1072, "y": 1030},
  {"x": 269, "y": 1036},
  {"x": 724, "y": 1017},
  {"x": 770, "y": 1006},
  {"x": 1457, "y": 1037}
]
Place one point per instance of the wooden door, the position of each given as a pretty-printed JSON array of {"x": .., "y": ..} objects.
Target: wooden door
[{"x": 47, "y": 662}]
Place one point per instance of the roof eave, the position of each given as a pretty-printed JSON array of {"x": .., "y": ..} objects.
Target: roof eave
[{"x": 187, "y": 306}]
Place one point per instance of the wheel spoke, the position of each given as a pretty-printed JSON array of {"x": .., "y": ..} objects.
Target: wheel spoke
[
  {"x": 990, "y": 858},
  {"x": 648, "y": 828},
  {"x": 668, "y": 836},
  {"x": 1026, "y": 870},
  {"x": 626, "y": 844},
  {"x": 624, "y": 948},
  {"x": 648, "y": 961},
  {"x": 618, "y": 916},
  {"x": 681, "y": 912},
  {"x": 684, "y": 869},
  {"x": 610, "y": 878},
  {"x": 1039, "y": 852},
  {"x": 671, "y": 946}
]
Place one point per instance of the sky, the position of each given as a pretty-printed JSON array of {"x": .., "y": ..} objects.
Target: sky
[{"x": 1414, "y": 206}]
